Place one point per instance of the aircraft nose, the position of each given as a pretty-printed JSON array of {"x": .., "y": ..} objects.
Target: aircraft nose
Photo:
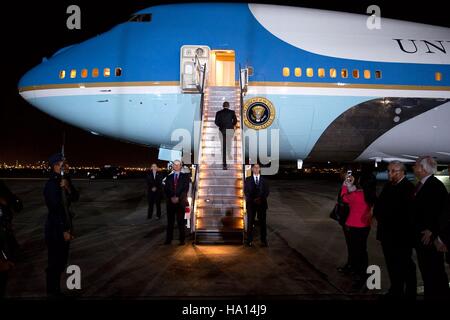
[
  {"x": 33, "y": 79},
  {"x": 30, "y": 80}
]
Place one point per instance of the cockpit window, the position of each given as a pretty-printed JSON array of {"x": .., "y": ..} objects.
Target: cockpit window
[{"x": 144, "y": 17}]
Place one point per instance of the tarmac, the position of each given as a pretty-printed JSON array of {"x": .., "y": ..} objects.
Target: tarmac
[{"x": 121, "y": 254}]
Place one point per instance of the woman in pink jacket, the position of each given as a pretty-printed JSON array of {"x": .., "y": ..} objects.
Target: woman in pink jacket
[{"x": 360, "y": 195}]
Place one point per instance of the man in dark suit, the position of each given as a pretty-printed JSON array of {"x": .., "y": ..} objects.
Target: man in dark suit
[
  {"x": 154, "y": 191},
  {"x": 393, "y": 212},
  {"x": 226, "y": 121},
  {"x": 176, "y": 190},
  {"x": 256, "y": 190},
  {"x": 430, "y": 216}
]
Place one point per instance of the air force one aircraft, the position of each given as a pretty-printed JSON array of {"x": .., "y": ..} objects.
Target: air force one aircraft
[{"x": 335, "y": 89}]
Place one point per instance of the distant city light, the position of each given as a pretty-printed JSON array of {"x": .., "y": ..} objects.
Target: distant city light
[{"x": 43, "y": 165}]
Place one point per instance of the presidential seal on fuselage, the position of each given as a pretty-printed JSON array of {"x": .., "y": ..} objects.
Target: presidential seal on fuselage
[{"x": 259, "y": 113}]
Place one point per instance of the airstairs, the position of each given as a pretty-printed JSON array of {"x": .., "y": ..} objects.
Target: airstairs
[{"x": 219, "y": 203}]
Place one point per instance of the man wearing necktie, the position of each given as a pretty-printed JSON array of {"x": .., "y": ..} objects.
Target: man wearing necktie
[
  {"x": 430, "y": 217},
  {"x": 176, "y": 189},
  {"x": 393, "y": 211},
  {"x": 256, "y": 190},
  {"x": 154, "y": 191}
]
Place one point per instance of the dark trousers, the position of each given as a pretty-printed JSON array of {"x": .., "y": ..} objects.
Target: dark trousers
[
  {"x": 175, "y": 211},
  {"x": 432, "y": 268},
  {"x": 401, "y": 269},
  {"x": 154, "y": 198},
  {"x": 58, "y": 254},
  {"x": 227, "y": 138},
  {"x": 347, "y": 242},
  {"x": 252, "y": 211},
  {"x": 359, "y": 258}
]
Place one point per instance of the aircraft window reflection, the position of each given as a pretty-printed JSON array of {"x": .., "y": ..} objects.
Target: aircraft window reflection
[
  {"x": 344, "y": 73},
  {"x": 333, "y": 73},
  {"x": 62, "y": 74},
  {"x": 438, "y": 76},
  {"x": 355, "y": 73},
  {"x": 310, "y": 72},
  {"x": 118, "y": 72},
  {"x": 366, "y": 74},
  {"x": 378, "y": 74},
  {"x": 84, "y": 73},
  {"x": 73, "y": 73},
  {"x": 106, "y": 72},
  {"x": 286, "y": 72},
  {"x": 145, "y": 17},
  {"x": 298, "y": 72},
  {"x": 321, "y": 72},
  {"x": 95, "y": 73}
]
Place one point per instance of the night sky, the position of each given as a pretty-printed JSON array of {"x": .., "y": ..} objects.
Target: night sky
[{"x": 31, "y": 31}]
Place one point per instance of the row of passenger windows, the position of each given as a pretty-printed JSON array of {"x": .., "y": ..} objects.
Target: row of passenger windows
[
  {"x": 344, "y": 73},
  {"x": 332, "y": 73},
  {"x": 84, "y": 73}
]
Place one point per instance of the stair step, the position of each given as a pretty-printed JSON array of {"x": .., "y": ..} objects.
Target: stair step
[
  {"x": 216, "y": 144},
  {"x": 219, "y": 212},
  {"x": 211, "y": 162},
  {"x": 232, "y": 182},
  {"x": 235, "y": 185},
  {"x": 219, "y": 222},
  {"x": 216, "y": 156},
  {"x": 232, "y": 99},
  {"x": 220, "y": 192},
  {"x": 220, "y": 179},
  {"x": 231, "y": 190},
  {"x": 219, "y": 237},
  {"x": 214, "y": 202},
  {"x": 215, "y": 138},
  {"x": 236, "y": 175},
  {"x": 212, "y": 176},
  {"x": 209, "y": 205},
  {"x": 223, "y": 230},
  {"x": 219, "y": 162},
  {"x": 209, "y": 148},
  {"x": 224, "y": 91},
  {"x": 219, "y": 199},
  {"x": 218, "y": 168}
]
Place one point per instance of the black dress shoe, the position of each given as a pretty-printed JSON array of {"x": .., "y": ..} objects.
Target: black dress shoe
[{"x": 249, "y": 244}]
